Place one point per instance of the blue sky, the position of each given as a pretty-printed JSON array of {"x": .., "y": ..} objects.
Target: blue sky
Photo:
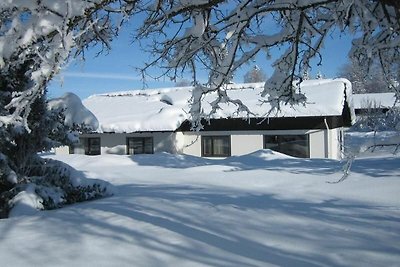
[{"x": 116, "y": 71}]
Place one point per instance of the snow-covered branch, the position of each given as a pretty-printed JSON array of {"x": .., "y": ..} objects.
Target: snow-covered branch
[
  {"x": 37, "y": 37},
  {"x": 222, "y": 36}
]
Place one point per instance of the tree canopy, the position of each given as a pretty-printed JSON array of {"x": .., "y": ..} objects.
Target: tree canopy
[
  {"x": 221, "y": 36},
  {"x": 372, "y": 81},
  {"x": 38, "y": 37},
  {"x": 217, "y": 35}
]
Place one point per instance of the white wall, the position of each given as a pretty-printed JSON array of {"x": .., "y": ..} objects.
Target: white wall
[
  {"x": 323, "y": 143},
  {"x": 318, "y": 147},
  {"x": 246, "y": 143},
  {"x": 191, "y": 144},
  {"x": 115, "y": 143},
  {"x": 243, "y": 143},
  {"x": 162, "y": 141},
  {"x": 326, "y": 144},
  {"x": 62, "y": 150},
  {"x": 336, "y": 146}
]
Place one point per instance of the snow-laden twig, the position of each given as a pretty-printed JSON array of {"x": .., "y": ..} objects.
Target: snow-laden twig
[
  {"x": 346, "y": 169},
  {"x": 223, "y": 37},
  {"x": 43, "y": 34}
]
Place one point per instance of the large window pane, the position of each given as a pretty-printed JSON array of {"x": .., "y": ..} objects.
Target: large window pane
[
  {"x": 292, "y": 145},
  {"x": 91, "y": 146},
  {"x": 140, "y": 145},
  {"x": 148, "y": 145},
  {"x": 77, "y": 148},
  {"x": 216, "y": 146},
  {"x": 271, "y": 142},
  {"x": 207, "y": 146}
]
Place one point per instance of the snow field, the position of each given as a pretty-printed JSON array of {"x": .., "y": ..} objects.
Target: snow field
[{"x": 262, "y": 209}]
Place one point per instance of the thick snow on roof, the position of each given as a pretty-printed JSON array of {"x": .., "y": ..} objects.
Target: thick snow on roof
[
  {"x": 377, "y": 100},
  {"x": 140, "y": 110},
  {"x": 166, "y": 109}
]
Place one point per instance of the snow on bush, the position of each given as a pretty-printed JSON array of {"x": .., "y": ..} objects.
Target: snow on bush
[
  {"x": 36, "y": 40},
  {"x": 52, "y": 185},
  {"x": 29, "y": 183},
  {"x": 74, "y": 111}
]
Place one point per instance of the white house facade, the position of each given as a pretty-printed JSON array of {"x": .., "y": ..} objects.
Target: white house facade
[{"x": 152, "y": 121}]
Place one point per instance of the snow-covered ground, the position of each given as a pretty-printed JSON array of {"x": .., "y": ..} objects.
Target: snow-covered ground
[{"x": 261, "y": 209}]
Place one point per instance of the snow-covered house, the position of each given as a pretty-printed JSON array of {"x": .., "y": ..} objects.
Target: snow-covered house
[
  {"x": 377, "y": 103},
  {"x": 149, "y": 121}
]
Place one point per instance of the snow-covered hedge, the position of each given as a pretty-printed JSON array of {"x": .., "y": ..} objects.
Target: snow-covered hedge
[{"x": 51, "y": 184}]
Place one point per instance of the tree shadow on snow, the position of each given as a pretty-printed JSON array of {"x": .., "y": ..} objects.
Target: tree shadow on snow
[
  {"x": 273, "y": 161},
  {"x": 260, "y": 160},
  {"x": 214, "y": 229},
  {"x": 377, "y": 167}
]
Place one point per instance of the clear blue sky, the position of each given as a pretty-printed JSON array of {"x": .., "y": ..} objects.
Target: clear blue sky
[{"x": 116, "y": 71}]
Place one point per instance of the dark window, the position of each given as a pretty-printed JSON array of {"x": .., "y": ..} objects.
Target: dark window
[
  {"x": 139, "y": 145},
  {"x": 292, "y": 145},
  {"x": 72, "y": 148},
  {"x": 216, "y": 146},
  {"x": 75, "y": 148},
  {"x": 92, "y": 145}
]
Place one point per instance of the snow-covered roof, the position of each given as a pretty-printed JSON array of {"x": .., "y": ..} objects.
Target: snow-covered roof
[
  {"x": 377, "y": 100},
  {"x": 166, "y": 109}
]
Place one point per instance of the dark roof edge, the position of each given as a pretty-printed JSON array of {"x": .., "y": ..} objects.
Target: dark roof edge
[{"x": 281, "y": 123}]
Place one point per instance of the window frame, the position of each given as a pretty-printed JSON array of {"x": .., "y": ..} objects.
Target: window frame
[
  {"x": 143, "y": 144},
  {"x": 279, "y": 143},
  {"x": 87, "y": 145},
  {"x": 205, "y": 138},
  {"x": 78, "y": 147}
]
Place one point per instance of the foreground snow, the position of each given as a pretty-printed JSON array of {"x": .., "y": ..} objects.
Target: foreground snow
[{"x": 257, "y": 210}]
